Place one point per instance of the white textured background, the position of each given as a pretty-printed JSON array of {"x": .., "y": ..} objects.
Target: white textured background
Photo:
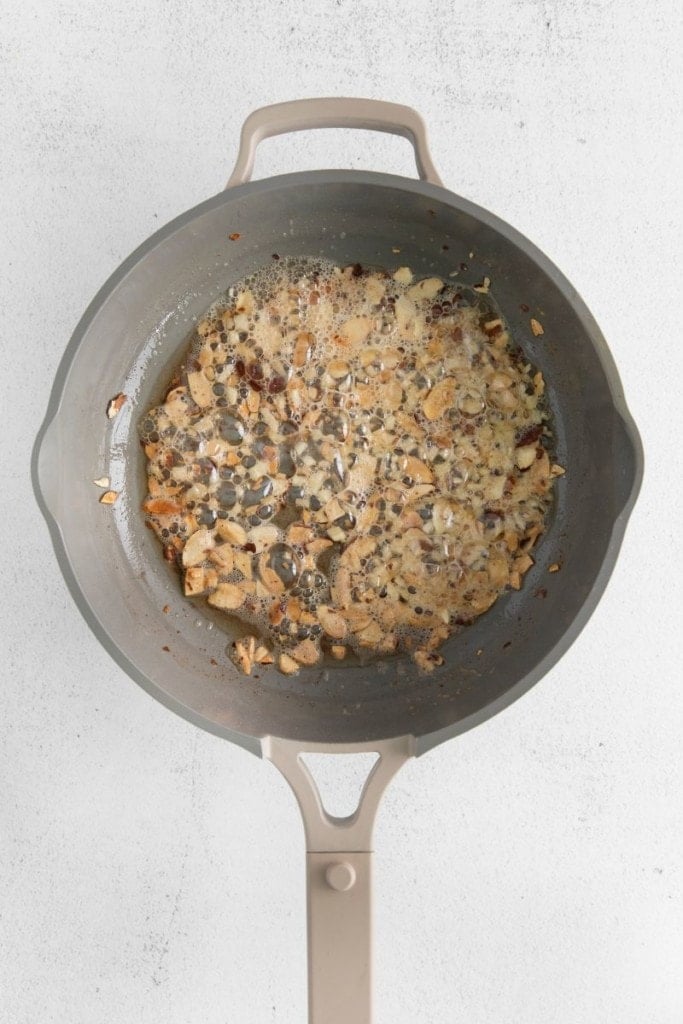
[{"x": 527, "y": 872}]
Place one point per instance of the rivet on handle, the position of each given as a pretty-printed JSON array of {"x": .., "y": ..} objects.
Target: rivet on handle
[{"x": 341, "y": 876}]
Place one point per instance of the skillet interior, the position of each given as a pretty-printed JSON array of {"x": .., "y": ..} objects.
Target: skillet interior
[{"x": 134, "y": 332}]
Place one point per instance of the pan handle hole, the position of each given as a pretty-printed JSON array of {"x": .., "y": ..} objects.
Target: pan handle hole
[{"x": 340, "y": 779}]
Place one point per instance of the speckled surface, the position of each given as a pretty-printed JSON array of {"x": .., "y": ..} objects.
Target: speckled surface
[{"x": 528, "y": 871}]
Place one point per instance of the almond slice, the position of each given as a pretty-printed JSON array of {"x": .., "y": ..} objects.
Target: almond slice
[
  {"x": 440, "y": 399},
  {"x": 197, "y": 547}
]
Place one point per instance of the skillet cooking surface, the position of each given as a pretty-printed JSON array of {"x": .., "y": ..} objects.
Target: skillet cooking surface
[{"x": 134, "y": 333}]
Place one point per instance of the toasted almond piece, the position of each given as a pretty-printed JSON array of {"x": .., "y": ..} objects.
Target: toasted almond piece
[
  {"x": 332, "y": 509},
  {"x": 338, "y": 369},
  {"x": 511, "y": 540},
  {"x": 340, "y": 588},
  {"x": 525, "y": 457},
  {"x": 336, "y": 534},
  {"x": 302, "y": 348},
  {"x": 391, "y": 357},
  {"x": 410, "y": 425},
  {"x": 492, "y": 325},
  {"x": 293, "y": 609},
  {"x": 176, "y": 408},
  {"x": 244, "y": 303},
  {"x": 269, "y": 577},
  {"x": 440, "y": 399},
  {"x": 229, "y": 530},
  {"x": 338, "y": 651},
  {"x": 108, "y": 498},
  {"x": 200, "y": 389},
  {"x": 522, "y": 563},
  {"x": 370, "y": 636},
  {"x": 484, "y": 287},
  {"x": 539, "y": 383},
  {"x": 317, "y": 546},
  {"x": 243, "y": 563},
  {"x": 276, "y": 613},
  {"x": 253, "y": 402},
  {"x": 355, "y": 331},
  {"x": 358, "y": 618},
  {"x": 103, "y": 481},
  {"x": 243, "y": 656},
  {"x": 387, "y": 644},
  {"x": 392, "y": 395},
  {"x": 198, "y": 580},
  {"x": 263, "y": 536},
  {"x": 428, "y": 288},
  {"x": 366, "y": 396},
  {"x": 403, "y": 275},
  {"x": 115, "y": 404},
  {"x": 410, "y": 519},
  {"x": 306, "y": 653},
  {"x": 436, "y": 348},
  {"x": 332, "y": 622},
  {"x": 515, "y": 580},
  {"x": 499, "y": 381},
  {"x": 427, "y": 661},
  {"x": 505, "y": 399},
  {"x": 497, "y": 568},
  {"x": 375, "y": 288},
  {"x": 197, "y": 547},
  {"x": 297, "y": 533},
  {"x": 228, "y": 596},
  {"x": 358, "y": 549},
  {"x": 262, "y": 656},
  {"x": 287, "y": 665},
  {"x": 556, "y": 470},
  {"x": 536, "y": 328},
  {"x": 223, "y": 556},
  {"x": 555, "y": 567},
  {"x": 418, "y": 470}
]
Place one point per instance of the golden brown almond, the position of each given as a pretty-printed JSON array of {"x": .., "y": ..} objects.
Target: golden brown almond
[
  {"x": 200, "y": 389},
  {"x": 228, "y": 596},
  {"x": 161, "y": 507},
  {"x": 231, "y": 531},
  {"x": 306, "y": 653},
  {"x": 440, "y": 399},
  {"x": 115, "y": 404},
  {"x": 262, "y": 656},
  {"x": 428, "y": 288},
  {"x": 332, "y": 622},
  {"x": 199, "y": 580},
  {"x": 287, "y": 664},
  {"x": 197, "y": 547}
]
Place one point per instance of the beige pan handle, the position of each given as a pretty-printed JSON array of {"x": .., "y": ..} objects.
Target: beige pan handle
[
  {"x": 333, "y": 112},
  {"x": 339, "y": 877}
]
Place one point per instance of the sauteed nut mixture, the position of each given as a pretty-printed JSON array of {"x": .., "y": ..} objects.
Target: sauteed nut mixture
[{"x": 349, "y": 460}]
